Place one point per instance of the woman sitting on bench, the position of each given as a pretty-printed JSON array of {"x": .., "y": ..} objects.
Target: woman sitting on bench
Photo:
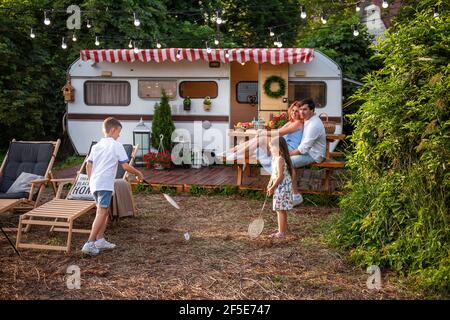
[{"x": 292, "y": 132}]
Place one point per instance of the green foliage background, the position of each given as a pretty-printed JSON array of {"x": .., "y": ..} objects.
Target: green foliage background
[{"x": 396, "y": 214}]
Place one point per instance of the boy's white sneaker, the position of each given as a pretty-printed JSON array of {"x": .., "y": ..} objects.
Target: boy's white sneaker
[
  {"x": 297, "y": 199},
  {"x": 90, "y": 248},
  {"x": 102, "y": 244}
]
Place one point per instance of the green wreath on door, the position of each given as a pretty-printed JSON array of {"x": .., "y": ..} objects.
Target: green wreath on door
[{"x": 275, "y": 94}]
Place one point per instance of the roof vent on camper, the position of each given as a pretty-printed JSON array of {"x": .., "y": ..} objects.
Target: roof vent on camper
[
  {"x": 300, "y": 73},
  {"x": 106, "y": 73}
]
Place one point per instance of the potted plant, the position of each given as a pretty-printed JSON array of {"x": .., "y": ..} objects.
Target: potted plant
[
  {"x": 207, "y": 103},
  {"x": 187, "y": 104},
  {"x": 158, "y": 160}
]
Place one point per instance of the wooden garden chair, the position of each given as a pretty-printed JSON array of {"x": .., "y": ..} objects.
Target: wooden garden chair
[
  {"x": 60, "y": 214},
  {"x": 36, "y": 157}
]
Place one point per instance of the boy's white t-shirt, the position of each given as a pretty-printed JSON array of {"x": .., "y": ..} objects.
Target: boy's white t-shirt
[{"x": 105, "y": 156}]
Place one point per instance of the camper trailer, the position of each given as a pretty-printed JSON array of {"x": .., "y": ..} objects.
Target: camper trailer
[{"x": 127, "y": 84}]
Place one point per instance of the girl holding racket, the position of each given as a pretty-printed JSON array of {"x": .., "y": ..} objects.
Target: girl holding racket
[{"x": 280, "y": 184}]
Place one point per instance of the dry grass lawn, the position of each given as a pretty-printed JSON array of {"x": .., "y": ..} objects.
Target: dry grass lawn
[{"x": 154, "y": 261}]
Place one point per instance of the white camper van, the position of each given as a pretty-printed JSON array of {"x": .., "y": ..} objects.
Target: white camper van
[{"x": 127, "y": 85}]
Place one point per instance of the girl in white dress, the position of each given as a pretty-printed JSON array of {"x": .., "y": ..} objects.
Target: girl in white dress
[{"x": 280, "y": 184}]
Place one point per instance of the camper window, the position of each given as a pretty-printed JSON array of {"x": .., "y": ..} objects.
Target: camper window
[
  {"x": 198, "y": 89},
  {"x": 247, "y": 91},
  {"x": 152, "y": 88},
  {"x": 107, "y": 93},
  {"x": 317, "y": 90}
]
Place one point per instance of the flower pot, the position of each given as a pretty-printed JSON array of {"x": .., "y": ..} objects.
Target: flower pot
[
  {"x": 158, "y": 166},
  {"x": 187, "y": 107},
  {"x": 206, "y": 107}
]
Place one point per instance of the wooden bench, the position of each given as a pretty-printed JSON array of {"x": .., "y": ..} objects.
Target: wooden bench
[{"x": 329, "y": 164}]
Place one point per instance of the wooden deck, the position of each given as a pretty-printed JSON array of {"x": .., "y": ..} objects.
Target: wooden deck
[{"x": 311, "y": 181}]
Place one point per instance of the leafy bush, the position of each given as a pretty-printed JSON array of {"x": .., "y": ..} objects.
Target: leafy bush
[{"x": 397, "y": 211}]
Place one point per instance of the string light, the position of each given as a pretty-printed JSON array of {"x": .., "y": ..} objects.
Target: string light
[
  {"x": 323, "y": 18},
  {"x": 385, "y": 4},
  {"x": 216, "y": 40},
  {"x": 137, "y": 22},
  {"x": 280, "y": 44},
  {"x": 158, "y": 45},
  {"x": 227, "y": 55},
  {"x": 303, "y": 12},
  {"x": 32, "y": 34},
  {"x": 88, "y": 24},
  {"x": 130, "y": 44},
  {"x": 179, "y": 54},
  {"x": 46, "y": 19},
  {"x": 136, "y": 49},
  {"x": 358, "y": 7},
  {"x": 435, "y": 12},
  {"x": 208, "y": 49},
  {"x": 243, "y": 63},
  {"x": 271, "y": 33},
  {"x": 74, "y": 37},
  {"x": 97, "y": 43},
  {"x": 355, "y": 31},
  {"x": 63, "y": 43},
  {"x": 218, "y": 18}
]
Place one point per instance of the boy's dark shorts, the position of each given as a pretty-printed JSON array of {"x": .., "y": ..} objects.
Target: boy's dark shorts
[{"x": 103, "y": 198}]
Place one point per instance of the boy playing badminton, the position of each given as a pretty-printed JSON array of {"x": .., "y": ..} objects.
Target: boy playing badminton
[{"x": 101, "y": 169}]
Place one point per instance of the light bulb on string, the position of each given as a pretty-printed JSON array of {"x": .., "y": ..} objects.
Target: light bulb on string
[
  {"x": 97, "y": 43},
  {"x": 243, "y": 63},
  {"x": 137, "y": 22},
  {"x": 358, "y": 7},
  {"x": 355, "y": 31},
  {"x": 46, "y": 19},
  {"x": 323, "y": 18},
  {"x": 385, "y": 4},
  {"x": 435, "y": 12},
  {"x": 218, "y": 18},
  {"x": 216, "y": 41},
  {"x": 179, "y": 54},
  {"x": 271, "y": 33},
  {"x": 158, "y": 45},
  {"x": 208, "y": 49},
  {"x": 303, "y": 12},
  {"x": 63, "y": 43},
  {"x": 280, "y": 44},
  {"x": 32, "y": 34},
  {"x": 74, "y": 37},
  {"x": 136, "y": 49},
  {"x": 130, "y": 44},
  {"x": 227, "y": 55},
  {"x": 276, "y": 42},
  {"x": 88, "y": 24}
]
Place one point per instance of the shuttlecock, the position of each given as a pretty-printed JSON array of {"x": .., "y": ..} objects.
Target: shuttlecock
[{"x": 187, "y": 236}]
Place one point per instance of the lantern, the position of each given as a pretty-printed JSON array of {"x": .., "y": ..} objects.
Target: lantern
[
  {"x": 68, "y": 92},
  {"x": 141, "y": 136}
]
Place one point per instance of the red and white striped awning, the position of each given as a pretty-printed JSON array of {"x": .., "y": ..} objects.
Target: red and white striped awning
[{"x": 273, "y": 56}]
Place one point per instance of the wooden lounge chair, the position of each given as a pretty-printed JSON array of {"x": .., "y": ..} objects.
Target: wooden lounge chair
[
  {"x": 60, "y": 214},
  {"x": 36, "y": 157}
]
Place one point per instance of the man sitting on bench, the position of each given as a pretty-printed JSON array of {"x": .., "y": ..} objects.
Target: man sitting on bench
[{"x": 313, "y": 145}]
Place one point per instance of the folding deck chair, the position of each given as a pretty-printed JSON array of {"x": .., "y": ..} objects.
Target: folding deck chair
[
  {"x": 36, "y": 157},
  {"x": 60, "y": 214}
]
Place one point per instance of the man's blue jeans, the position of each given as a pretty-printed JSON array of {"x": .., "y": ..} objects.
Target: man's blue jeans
[{"x": 302, "y": 160}]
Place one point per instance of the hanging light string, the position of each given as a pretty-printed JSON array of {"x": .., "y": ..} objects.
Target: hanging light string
[{"x": 156, "y": 41}]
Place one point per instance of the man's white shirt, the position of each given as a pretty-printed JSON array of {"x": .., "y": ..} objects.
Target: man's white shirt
[
  {"x": 105, "y": 156},
  {"x": 314, "y": 139}
]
